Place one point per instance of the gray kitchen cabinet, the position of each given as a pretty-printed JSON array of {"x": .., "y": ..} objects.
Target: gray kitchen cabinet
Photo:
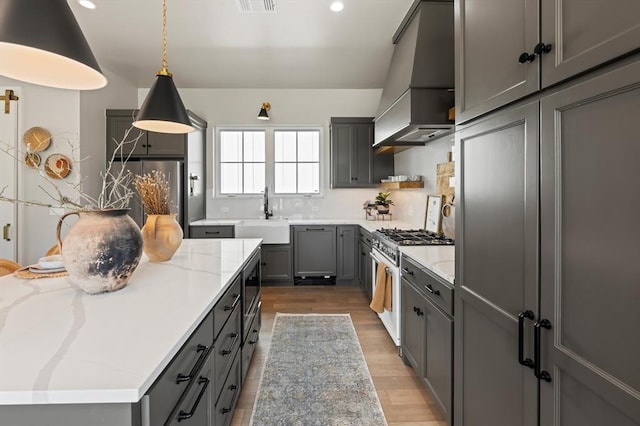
[
  {"x": 589, "y": 264},
  {"x": 496, "y": 267},
  {"x": 314, "y": 251},
  {"x": 194, "y": 409},
  {"x": 353, "y": 163},
  {"x": 364, "y": 262},
  {"x": 277, "y": 263},
  {"x": 211, "y": 231},
  {"x": 497, "y": 41},
  {"x": 347, "y": 243},
  {"x": 427, "y": 331}
]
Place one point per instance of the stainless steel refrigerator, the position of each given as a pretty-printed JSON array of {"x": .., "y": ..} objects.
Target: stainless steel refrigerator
[{"x": 173, "y": 170}]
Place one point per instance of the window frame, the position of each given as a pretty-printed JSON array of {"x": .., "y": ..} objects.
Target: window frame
[{"x": 269, "y": 159}]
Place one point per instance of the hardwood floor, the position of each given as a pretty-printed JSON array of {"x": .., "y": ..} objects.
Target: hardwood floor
[{"x": 404, "y": 399}]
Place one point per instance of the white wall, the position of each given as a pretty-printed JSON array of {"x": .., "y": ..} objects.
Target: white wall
[
  {"x": 411, "y": 203},
  {"x": 220, "y": 107}
]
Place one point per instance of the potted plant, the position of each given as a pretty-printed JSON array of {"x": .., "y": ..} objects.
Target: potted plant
[{"x": 383, "y": 202}]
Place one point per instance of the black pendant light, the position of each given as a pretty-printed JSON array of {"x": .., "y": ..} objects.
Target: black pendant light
[
  {"x": 42, "y": 43},
  {"x": 163, "y": 111}
]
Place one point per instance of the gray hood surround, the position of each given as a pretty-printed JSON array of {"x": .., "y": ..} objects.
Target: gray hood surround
[{"x": 419, "y": 88}]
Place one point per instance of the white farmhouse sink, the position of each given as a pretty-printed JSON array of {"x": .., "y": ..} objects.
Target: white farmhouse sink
[{"x": 271, "y": 231}]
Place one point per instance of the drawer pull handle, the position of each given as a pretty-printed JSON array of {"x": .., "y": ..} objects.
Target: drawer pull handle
[
  {"x": 234, "y": 336},
  {"x": 211, "y": 232},
  {"x": 236, "y": 300},
  {"x": 540, "y": 374},
  {"x": 185, "y": 378},
  {"x": 314, "y": 229},
  {"x": 253, "y": 342},
  {"x": 234, "y": 388},
  {"x": 527, "y": 362},
  {"x": 407, "y": 271},
  {"x": 431, "y": 290},
  {"x": 184, "y": 416}
]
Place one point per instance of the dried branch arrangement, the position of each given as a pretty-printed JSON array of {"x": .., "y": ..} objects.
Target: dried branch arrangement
[
  {"x": 154, "y": 191},
  {"x": 116, "y": 191}
]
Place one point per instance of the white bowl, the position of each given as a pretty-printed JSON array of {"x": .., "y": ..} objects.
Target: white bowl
[{"x": 51, "y": 262}]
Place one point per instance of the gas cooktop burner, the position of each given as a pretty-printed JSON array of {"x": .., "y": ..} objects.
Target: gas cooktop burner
[{"x": 414, "y": 237}]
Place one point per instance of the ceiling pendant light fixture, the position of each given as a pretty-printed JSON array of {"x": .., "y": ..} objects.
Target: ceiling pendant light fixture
[
  {"x": 262, "y": 115},
  {"x": 163, "y": 111},
  {"x": 42, "y": 43}
]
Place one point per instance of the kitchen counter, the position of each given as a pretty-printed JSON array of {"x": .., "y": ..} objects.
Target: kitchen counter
[
  {"x": 59, "y": 345},
  {"x": 439, "y": 259}
]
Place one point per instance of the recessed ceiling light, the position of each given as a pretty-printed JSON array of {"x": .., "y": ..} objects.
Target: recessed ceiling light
[
  {"x": 87, "y": 3},
  {"x": 336, "y": 6}
]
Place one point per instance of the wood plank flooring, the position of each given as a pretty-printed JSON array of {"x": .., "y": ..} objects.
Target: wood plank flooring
[{"x": 404, "y": 399}]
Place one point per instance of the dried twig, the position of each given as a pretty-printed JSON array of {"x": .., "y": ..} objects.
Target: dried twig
[{"x": 154, "y": 191}]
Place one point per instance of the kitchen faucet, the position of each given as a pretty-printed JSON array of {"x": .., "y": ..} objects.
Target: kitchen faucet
[{"x": 265, "y": 203}]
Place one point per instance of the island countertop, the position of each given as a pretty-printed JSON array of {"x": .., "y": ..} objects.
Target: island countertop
[{"x": 59, "y": 345}]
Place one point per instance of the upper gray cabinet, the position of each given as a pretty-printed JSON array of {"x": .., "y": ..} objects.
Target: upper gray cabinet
[
  {"x": 507, "y": 49},
  {"x": 353, "y": 164}
]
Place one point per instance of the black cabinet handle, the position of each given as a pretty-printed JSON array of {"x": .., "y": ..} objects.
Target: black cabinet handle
[
  {"x": 187, "y": 415},
  {"x": 420, "y": 312},
  {"x": 431, "y": 290},
  {"x": 542, "y": 48},
  {"x": 540, "y": 374},
  {"x": 407, "y": 271},
  {"x": 526, "y": 58},
  {"x": 234, "y": 336},
  {"x": 253, "y": 342},
  {"x": 263, "y": 263},
  {"x": 314, "y": 229},
  {"x": 234, "y": 388},
  {"x": 212, "y": 232},
  {"x": 415, "y": 309},
  {"x": 235, "y": 302},
  {"x": 185, "y": 378},
  {"x": 527, "y": 362}
]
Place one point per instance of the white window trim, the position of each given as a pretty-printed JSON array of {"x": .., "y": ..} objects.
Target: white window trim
[{"x": 269, "y": 159}]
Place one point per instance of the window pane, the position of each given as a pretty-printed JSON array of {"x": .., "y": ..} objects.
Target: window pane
[
  {"x": 285, "y": 146},
  {"x": 254, "y": 146},
  {"x": 285, "y": 178},
  {"x": 230, "y": 178},
  {"x": 253, "y": 178},
  {"x": 230, "y": 146},
  {"x": 308, "y": 178},
  {"x": 309, "y": 146}
]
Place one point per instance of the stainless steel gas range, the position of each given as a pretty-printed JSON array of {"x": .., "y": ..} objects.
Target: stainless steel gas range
[{"x": 386, "y": 250}]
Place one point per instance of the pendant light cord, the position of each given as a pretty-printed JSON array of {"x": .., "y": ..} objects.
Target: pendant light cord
[{"x": 165, "y": 66}]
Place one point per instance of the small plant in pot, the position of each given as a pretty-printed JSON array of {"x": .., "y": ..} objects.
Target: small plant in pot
[{"x": 383, "y": 202}]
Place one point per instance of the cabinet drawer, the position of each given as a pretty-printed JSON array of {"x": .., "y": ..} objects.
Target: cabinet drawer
[
  {"x": 194, "y": 409},
  {"x": 229, "y": 397},
  {"x": 226, "y": 348},
  {"x": 182, "y": 370},
  {"x": 221, "y": 231},
  {"x": 365, "y": 237},
  {"x": 434, "y": 288},
  {"x": 251, "y": 341},
  {"x": 225, "y": 306}
]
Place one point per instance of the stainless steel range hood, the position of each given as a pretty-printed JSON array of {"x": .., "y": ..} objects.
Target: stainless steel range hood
[{"x": 418, "y": 92}]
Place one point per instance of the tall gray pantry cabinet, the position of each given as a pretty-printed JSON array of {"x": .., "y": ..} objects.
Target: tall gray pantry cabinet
[{"x": 548, "y": 244}]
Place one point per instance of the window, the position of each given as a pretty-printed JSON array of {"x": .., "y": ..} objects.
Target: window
[
  {"x": 286, "y": 160},
  {"x": 297, "y": 161},
  {"x": 242, "y": 162}
]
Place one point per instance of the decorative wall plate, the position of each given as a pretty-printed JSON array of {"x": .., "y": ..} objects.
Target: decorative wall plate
[
  {"x": 37, "y": 139},
  {"x": 32, "y": 160},
  {"x": 57, "y": 166}
]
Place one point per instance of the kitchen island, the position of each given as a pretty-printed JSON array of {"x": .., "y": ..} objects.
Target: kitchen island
[{"x": 63, "y": 351}]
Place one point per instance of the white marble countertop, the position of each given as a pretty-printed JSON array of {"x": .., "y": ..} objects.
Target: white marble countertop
[
  {"x": 439, "y": 259},
  {"x": 369, "y": 225},
  {"x": 60, "y": 345}
]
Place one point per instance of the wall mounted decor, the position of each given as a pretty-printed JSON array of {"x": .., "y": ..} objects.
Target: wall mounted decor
[
  {"x": 37, "y": 139},
  {"x": 57, "y": 166}
]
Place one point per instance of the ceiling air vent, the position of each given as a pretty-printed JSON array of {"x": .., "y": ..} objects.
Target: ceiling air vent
[{"x": 256, "y": 6}]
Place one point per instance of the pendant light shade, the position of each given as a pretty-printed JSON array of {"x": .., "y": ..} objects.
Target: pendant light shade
[
  {"x": 42, "y": 43},
  {"x": 162, "y": 110}
]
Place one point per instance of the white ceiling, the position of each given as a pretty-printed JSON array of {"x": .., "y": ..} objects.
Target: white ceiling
[{"x": 212, "y": 45}]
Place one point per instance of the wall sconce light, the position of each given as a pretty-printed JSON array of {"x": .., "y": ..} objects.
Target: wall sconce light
[
  {"x": 42, "y": 43},
  {"x": 262, "y": 115},
  {"x": 162, "y": 110}
]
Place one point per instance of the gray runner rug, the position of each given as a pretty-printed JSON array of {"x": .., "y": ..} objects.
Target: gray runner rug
[{"x": 315, "y": 375}]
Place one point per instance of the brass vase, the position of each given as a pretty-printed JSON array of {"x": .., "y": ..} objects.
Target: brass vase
[
  {"x": 101, "y": 250},
  {"x": 162, "y": 236}
]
